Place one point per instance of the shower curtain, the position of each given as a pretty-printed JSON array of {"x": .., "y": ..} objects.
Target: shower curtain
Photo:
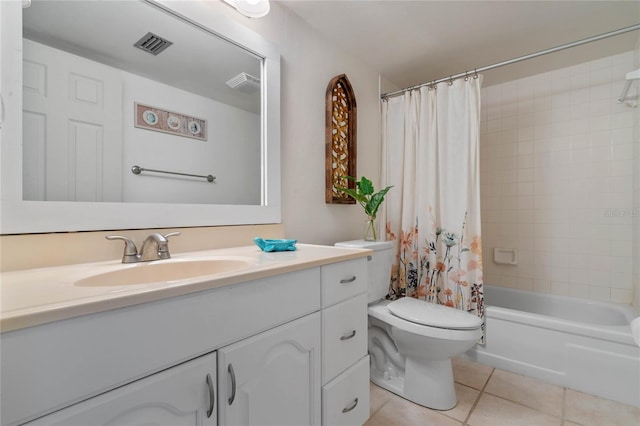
[{"x": 430, "y": 143}]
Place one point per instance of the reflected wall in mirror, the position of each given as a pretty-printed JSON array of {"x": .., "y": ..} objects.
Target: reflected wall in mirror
[
  {"x": 94, "y": 149},
  {"x": 85, "y": 65}
]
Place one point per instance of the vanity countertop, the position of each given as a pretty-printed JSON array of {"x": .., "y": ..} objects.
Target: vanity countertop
[{"x": 38, "y": 296}]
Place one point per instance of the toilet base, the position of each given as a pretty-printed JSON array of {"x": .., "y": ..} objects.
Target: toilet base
[{"x": 427, "y": 383}]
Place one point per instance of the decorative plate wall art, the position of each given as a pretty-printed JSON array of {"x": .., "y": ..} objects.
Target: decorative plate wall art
[
  {"x": 160, "y": 120},
  {"x": 340, "y": 139}
]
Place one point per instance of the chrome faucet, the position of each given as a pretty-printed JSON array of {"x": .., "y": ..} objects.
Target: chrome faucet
[{"x": 154, "y": 247}]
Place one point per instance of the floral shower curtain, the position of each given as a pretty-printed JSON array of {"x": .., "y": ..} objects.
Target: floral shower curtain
[{"x": 431, "y": 157}]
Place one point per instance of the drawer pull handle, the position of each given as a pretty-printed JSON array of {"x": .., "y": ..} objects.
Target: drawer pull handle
[
  {"x": 233, "y": 384},
  {"x": 212, "y": 396},
  {"x": 349, "y": 336},
  {"x": 350, "y": 407},
  {"x": 348, "y": 280}
]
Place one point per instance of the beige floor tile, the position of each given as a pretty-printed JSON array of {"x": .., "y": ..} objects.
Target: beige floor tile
[
  {"x": 470, "y": 373},
  {"x": 527, "y": 391},
  {"x": 400, "y": 412},
  {"x": 378, "y": 397},
  {"x": 592, "y": 410},
  {"x": 494, "y": 411},
  {"x": 466, "y": 398}
]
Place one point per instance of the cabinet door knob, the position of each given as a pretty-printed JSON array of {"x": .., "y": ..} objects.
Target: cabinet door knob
[
  {"x": 350, "y": 407},
  {"x": 348, "y": 336},
  {"x": 232, "y": 374},
  {"x": 348, "y": 280},
  {"x": 212, "y": 396}
]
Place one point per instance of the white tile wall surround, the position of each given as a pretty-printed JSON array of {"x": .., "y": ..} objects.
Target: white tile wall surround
[
  {"x": 559, "y": 181},
  {"x": 634, "y": 135}
]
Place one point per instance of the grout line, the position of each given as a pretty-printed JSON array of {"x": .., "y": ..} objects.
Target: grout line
[
  {"x": 563, "y": 412},
  {"x": 531, "y": 406},
  {"x": 371, "y": 415},
  {"x": 475, "y": 403}
]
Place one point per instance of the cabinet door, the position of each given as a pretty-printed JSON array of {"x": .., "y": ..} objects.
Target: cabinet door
[
  {"x": 272, "y": 378},
  {"x": 181, "y": 395}
]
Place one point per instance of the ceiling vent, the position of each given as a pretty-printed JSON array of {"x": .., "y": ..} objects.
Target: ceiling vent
[
  {"x": 152, "y": 43},
  {"x": 244, "y": 82}
]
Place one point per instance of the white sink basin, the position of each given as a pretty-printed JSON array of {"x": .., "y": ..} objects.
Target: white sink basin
[{"x": 163, "y": 271}]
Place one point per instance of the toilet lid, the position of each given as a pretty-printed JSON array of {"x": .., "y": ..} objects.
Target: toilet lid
[{"x": 432, "y": 315}]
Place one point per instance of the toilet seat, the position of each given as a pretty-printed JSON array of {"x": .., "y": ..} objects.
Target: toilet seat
[
  {"x": 380, "y": 311},
  {"x": 432, "y": 315}
]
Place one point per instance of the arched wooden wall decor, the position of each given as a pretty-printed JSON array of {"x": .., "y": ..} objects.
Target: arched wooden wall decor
[{"x": 340, "y": 139}]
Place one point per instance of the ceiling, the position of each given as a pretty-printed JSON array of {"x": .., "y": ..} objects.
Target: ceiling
[
  {"x": 412, "y": 42},
  {"x": 106, "y": 31}
]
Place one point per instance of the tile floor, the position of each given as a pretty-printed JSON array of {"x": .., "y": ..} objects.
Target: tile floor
[{"x": 493, "y": 397}]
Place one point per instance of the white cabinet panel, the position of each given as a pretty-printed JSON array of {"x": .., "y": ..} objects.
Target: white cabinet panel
[
  {"x": 343, "y": 280},
  {"x": 180, "y": 396},
  {"x": 344, "y": 336},
  {"x": 345, "y": 400},
  {"x": 272, "y": 378}
]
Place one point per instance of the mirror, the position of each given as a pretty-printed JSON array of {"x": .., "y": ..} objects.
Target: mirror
[
  {"x": 87, "y": 65},
  {"x": 182, "y": 131}
]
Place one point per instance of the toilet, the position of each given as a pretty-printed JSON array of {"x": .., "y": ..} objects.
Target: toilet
[{"x": 411, "y": 341}]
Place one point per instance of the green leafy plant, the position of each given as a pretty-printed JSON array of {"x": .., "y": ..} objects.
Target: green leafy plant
[{"x": 364, "y": 193}]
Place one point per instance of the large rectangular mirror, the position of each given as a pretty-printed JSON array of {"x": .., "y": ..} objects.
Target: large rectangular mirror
[{"x": 139, "y": 114}]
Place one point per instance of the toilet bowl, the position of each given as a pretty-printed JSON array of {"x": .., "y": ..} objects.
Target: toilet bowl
[{"x": 411, "y": 341}]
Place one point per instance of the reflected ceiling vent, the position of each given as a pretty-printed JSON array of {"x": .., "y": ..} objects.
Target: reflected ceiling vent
[
  {"x": 152, "y": 43},
  {"x": 244, "y": 82}
]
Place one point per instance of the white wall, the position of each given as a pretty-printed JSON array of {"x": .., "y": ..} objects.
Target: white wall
[
  {"x": 557, "y": 181},
  {"x": 231, "y": 152},
  {"x": 308, "y": 63}
]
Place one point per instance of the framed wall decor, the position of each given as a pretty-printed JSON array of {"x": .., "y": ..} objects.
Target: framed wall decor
[
  {"x": 340, "y": 139},
  {"x": 160, "y": 120}
]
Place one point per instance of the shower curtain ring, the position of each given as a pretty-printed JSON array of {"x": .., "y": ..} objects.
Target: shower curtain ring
[
  {"x": 466, "y": 76},
  {"x": 475, "y": 74},
  {"x": 450, "y": 80}
]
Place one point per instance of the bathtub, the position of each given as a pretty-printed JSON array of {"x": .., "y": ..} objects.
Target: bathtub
[{"x": 579, "y": 344}]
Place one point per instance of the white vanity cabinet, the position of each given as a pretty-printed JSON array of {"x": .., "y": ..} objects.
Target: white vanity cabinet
[
  {"x": 345, "y": 363},
  {"x": 183, "y": 395},
  {"x": 52, "y": 366},
  {"x": 283, "y": 349},
  {"x": 272, "y": 378}
]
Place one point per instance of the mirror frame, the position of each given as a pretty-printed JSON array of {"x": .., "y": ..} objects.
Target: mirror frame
[{"x": 18, "y": 216}]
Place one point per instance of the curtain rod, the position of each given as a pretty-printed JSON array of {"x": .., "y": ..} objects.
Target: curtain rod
[{"x": 475, "y": 71}]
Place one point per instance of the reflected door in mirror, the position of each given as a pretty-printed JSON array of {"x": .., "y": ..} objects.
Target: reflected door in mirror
[{"x": 72, "y": 127}]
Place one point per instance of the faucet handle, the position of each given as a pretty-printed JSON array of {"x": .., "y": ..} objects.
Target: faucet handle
[
  {"x": 163, "y": 246},
  {"x": 130, "y": 249}
]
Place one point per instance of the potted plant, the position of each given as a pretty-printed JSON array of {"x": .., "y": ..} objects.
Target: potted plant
[{"x": 365, "y": 195}]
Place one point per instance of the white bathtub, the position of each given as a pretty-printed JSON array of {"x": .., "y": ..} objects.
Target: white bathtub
[{"x": 580, "y": 344}]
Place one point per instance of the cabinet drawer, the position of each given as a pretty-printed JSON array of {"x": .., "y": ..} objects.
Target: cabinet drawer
[
  {"x": 345, "y": 400},
  {"x": 344, "y": 336},
  {"x": 341, "y": 281}
]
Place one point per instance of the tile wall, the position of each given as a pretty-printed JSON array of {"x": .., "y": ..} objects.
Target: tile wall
[
  {"x": 636, "y": 192},
  {"x": 557, "y": 181}
]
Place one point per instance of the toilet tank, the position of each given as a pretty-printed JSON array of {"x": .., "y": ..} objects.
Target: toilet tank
[{"x": 379, "y": 265}]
